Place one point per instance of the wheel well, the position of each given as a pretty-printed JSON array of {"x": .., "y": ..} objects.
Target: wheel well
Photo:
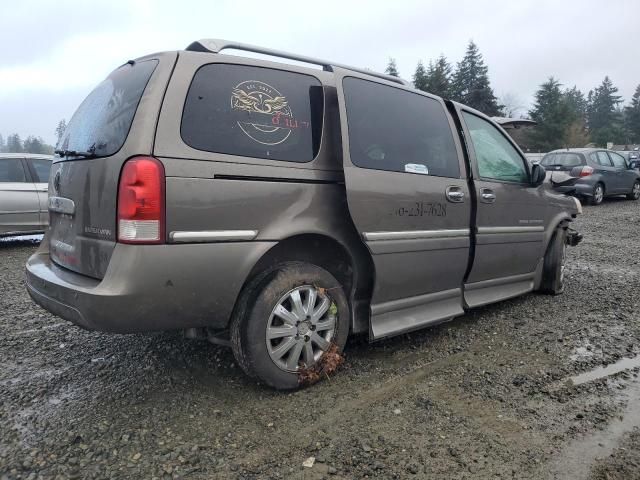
[
  {"x": 311, "y": 248},
  {"x": 351, "y": 266}
]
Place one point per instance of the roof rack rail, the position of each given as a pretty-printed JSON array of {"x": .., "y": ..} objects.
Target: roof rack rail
[{"x": 216, "y": 45}]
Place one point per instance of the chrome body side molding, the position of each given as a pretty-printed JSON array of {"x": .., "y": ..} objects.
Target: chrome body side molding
[
  {"x": 213, "y": 236},
  {"x": 492, "y": 230},
  {"x": 414, "y": 234}
]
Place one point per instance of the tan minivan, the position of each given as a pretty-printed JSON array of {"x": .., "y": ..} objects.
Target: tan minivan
[{"x": 280, "y": 208}]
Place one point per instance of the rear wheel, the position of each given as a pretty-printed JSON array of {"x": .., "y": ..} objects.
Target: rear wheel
[
  {"x": 554, "y": 264},
  {"x": 286, "y": 321},
  {"x": 598, "y": 194},
  {"x": 635, "y": 191}
]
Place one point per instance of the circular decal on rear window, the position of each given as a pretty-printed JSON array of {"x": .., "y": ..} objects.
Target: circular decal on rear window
[{"x": 274, "y": 120}]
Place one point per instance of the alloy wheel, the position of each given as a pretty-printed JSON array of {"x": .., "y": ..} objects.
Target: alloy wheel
[
  {"x": 301, "y": 328},
  {"x": 598, "y": 194}
]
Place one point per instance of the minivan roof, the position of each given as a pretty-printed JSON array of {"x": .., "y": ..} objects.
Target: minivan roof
[{"x": 216, "y": 45}]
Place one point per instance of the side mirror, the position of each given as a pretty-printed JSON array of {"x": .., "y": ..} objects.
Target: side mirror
[
  {"x": 538, "y": 175},
  {"x": 633, "y": 164}
]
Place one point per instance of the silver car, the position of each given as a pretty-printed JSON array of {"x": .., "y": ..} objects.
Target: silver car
[{"x": 23, "y": 193}]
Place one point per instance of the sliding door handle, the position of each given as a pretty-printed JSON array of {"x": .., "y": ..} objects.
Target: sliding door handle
[
  {"x": 487, "y": 195},
  {"x": 455, "y": 194}
]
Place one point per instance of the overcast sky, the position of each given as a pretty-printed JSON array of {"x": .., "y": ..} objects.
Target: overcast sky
[{"x": 52, "y": 53}]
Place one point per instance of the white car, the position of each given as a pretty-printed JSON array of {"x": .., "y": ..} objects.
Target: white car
[{"x": 23, "y": 193}]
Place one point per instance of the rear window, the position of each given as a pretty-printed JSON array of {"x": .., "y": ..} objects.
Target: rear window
[
  {"x": 103, "y": 120},
  {"x": 42, "y": 169},
  {"x": 396, "y": 130},
  {"x": 562, "y": 159},
  {"x": 253, "y": 112},
  {"x": 11, "y": 170}
]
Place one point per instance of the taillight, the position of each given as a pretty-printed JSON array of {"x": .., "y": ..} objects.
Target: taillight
[
  {"x": 141, "y": 201},
  {"x": 586, "y": 171}
]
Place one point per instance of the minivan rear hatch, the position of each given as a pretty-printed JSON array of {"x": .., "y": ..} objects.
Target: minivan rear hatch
[{"x": 83, "y": 184}]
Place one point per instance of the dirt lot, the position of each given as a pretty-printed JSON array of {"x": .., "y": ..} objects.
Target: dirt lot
[{"x": 485, "y": 396}]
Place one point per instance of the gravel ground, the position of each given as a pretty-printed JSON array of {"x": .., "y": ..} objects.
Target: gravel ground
[{"x": 485, "y": 396}]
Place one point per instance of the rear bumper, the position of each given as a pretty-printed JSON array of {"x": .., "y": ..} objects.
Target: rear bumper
[
  {"x": 148, "y": 288},
  {"x": 580, "y": 189}
]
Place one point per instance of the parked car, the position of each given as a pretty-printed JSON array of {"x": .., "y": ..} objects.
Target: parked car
[
  {"x": 534, "y": 157},
  {"x": 23, "y": 193},
  {"x": 280, "y": 208},
  {"x": 632, "y": 157},
  {"x": 592, "y": 174}
]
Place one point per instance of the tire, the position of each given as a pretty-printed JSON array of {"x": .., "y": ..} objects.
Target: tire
[
  {"x": 554, "y": 260},
  {"x": 279, "y": 362},
  {"x": 598, "y": 194},
  {"x": 635, "y": 191}
]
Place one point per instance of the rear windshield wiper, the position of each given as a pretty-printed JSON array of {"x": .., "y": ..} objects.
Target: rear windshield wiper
[{"x": 76, "y": 153}]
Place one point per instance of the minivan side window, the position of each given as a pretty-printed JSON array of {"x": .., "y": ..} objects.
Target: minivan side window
[
  {"x": 11, "y": 170},
  {"x": 618, "y": 160},
  {"x": 253, "y": 112},
  {"x": 497, "y": 158},
  {"x": 397, "y": 130}
]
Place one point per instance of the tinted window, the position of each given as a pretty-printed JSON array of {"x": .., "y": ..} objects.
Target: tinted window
[
  {"x": 104, "y": 118},
  {"x": 565, "y": 159},
  {"x": 42, "y": 168},
  {"x": 603, "y": 159},
  {"x": 397, "y": 130},
  {"x": 253, "y": 112},
  {"x": 618, "y": 160},
  {"x": 497, "y": 158},
  {"x": 11, "y": 170}
]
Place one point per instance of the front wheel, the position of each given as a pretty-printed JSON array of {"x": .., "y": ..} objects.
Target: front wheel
[
  {"x": 554, "y": 264},
  {"x": 635, "y": 191},
  {"x": 288, "y": 322}
]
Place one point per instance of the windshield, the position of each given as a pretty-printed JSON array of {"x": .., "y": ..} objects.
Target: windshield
[
  {"x": 102, "y": 122},
  {"x": 563, "y": 159}
]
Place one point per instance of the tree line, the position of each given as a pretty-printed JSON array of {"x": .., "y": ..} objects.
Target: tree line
[
  {"x": 566, "y": 116},
  {"x": 31, "y": 144}
]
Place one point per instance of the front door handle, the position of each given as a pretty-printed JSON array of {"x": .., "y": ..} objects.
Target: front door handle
[
  {"x": 487, "y": 195},
  {"x": 455, "y": 194}
]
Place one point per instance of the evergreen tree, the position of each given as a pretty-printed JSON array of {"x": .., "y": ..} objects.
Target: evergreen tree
[
  {"x": 420, "y": 77},
  {"x": 1, "y": 143},
  {"x": 577, "y": 103},
  {"x": 62, "y": 126},
  {"x": 553, "y": 114},
  {"x": 14, "y": 143},
  {"x": 470, "y": 84},
  {"x": 576, "y": 134},
  {"x": 632, "y": 117},
  {"x": 34, "y": 144},
  {"x": 603, "y": 115},
  {"x": 439, "y": 77},
  {"x": 392, "y": 68}
]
